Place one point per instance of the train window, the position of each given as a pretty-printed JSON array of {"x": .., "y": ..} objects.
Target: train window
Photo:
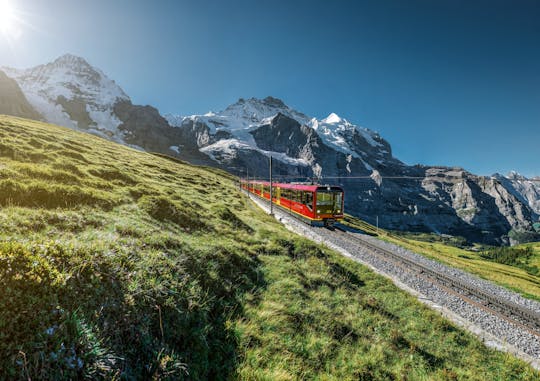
[
  {"x": 309, "y": 200},
  {"x": 288, "y": 195},
  {"x": 339, "y": 199},
  {"x": 325, "y": 198}
]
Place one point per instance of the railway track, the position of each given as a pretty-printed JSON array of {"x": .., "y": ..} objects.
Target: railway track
[
  {"x": 502, "y": 318},
  {"x": 513, "y": 313}
]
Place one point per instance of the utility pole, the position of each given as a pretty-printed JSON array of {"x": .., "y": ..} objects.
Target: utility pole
[
  {"x": 377, "y": 224},
  {"x": 271, "y": 190}
]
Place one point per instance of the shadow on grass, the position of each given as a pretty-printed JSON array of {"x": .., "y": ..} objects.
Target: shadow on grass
[{"x": 69, "y": 314}]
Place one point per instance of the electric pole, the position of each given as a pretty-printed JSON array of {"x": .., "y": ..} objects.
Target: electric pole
[{"x": 271, "y": 190}]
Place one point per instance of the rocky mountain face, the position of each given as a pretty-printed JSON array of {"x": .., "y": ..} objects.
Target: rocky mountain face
[
  {"x": 242, "y": 137},
  {"x": 526, "y": 190},
  {"x": 12, "y": 100}
]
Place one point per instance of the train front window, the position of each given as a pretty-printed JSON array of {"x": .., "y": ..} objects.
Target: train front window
[
  {"x": 325, "y": 198},
  {"x": 329, "y": 201}
]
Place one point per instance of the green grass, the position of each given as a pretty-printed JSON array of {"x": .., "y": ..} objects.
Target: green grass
[
  {"x": 519, "y": 275},
  {"x": 119, "y": 264}
]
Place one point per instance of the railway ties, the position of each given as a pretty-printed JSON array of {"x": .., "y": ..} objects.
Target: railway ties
[{"x": 513, "y": 313}]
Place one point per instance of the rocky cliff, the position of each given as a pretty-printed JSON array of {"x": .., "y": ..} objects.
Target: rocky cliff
[{"x": 13, "y": 101}]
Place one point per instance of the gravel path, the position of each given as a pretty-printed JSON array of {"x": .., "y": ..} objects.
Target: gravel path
[{"x": 493, "y": 330}]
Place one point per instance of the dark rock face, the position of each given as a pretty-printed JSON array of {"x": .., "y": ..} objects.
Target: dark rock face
[
  {"x": 524, "y": 189},
  {"x": 76, "y": 109},
  {"x": 444, "y": 200},
  {"x": 13, "y": 101},
  {"x": 286, "y": 135},
  {"x": 144, "y": 126}
]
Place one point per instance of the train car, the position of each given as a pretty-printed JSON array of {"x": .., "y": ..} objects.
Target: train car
[{"x": 315, "y": 204}]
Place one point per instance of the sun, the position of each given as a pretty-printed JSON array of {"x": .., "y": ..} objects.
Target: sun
[{"x": 8, "y": 19}]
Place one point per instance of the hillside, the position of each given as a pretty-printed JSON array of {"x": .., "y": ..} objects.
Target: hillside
[{"x": 116, "y": 263}]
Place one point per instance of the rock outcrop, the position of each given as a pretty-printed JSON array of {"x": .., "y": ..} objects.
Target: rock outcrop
[{"x": 13, "y": 101}]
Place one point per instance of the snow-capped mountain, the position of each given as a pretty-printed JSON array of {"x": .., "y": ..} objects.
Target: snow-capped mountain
[
  {"x": 220, "y": 134},
  {"x": 72, "y": 93},
  {"x": 241, "y": 138}
]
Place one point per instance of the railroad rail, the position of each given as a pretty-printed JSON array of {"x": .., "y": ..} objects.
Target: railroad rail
[{"x": 506, "y": 309}]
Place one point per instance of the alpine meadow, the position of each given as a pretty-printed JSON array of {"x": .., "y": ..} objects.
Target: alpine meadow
[{"x": 120, "y": 264}]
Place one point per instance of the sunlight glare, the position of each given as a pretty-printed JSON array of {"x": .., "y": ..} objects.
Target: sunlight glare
[{"x": 8, "y": 19}]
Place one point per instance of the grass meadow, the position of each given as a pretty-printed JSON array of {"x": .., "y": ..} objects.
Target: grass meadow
[{"x": 123, "y": 265}]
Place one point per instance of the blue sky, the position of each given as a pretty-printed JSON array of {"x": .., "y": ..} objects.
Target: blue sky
[{"x": 445, "y": 82}]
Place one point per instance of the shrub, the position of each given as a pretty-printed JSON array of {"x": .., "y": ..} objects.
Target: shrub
[
  {"x": 512, "y": 256},
  {"x": 524, "y": 236}
]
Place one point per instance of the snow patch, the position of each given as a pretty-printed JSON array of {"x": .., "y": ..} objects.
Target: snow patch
[{"x": 226, "y": 149}]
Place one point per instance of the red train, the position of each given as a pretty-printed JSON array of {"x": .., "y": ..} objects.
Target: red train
[{"x": 315, "y": 204}]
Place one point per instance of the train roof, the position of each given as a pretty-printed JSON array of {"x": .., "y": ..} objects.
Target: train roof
[{"x": 302, "y": 187}]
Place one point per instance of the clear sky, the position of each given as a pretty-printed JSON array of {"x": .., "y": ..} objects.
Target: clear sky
[{"x": 446, "y": 82}]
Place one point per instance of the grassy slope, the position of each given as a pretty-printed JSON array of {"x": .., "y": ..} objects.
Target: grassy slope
[
  {"x": 117, "y": 263},
  {"x": 511, "y": 277}
]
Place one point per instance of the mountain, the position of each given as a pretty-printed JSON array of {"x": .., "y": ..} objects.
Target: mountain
[
  {"x": 379, "y": 187},
  {"x": 69, "y": 92},
  {"x": 240, "y": 138},
  {"x": 13, "y": 101},
  {"x": 72, "y": 93},
  {"x": 526, "y": 190},
  {"x": 246, "y": 133}
]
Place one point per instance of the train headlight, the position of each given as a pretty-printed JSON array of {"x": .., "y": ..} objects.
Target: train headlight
[
  {"x": 318, "y": 211},
  {"x": 339, "y": 211}
]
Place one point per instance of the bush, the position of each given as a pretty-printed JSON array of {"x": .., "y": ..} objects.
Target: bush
[
  {"x": 512, "y": 256},
  {"x": 522, "y": 236}
]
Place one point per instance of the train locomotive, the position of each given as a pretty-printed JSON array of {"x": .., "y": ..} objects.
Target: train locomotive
[{"x": 318, "y": 205}]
